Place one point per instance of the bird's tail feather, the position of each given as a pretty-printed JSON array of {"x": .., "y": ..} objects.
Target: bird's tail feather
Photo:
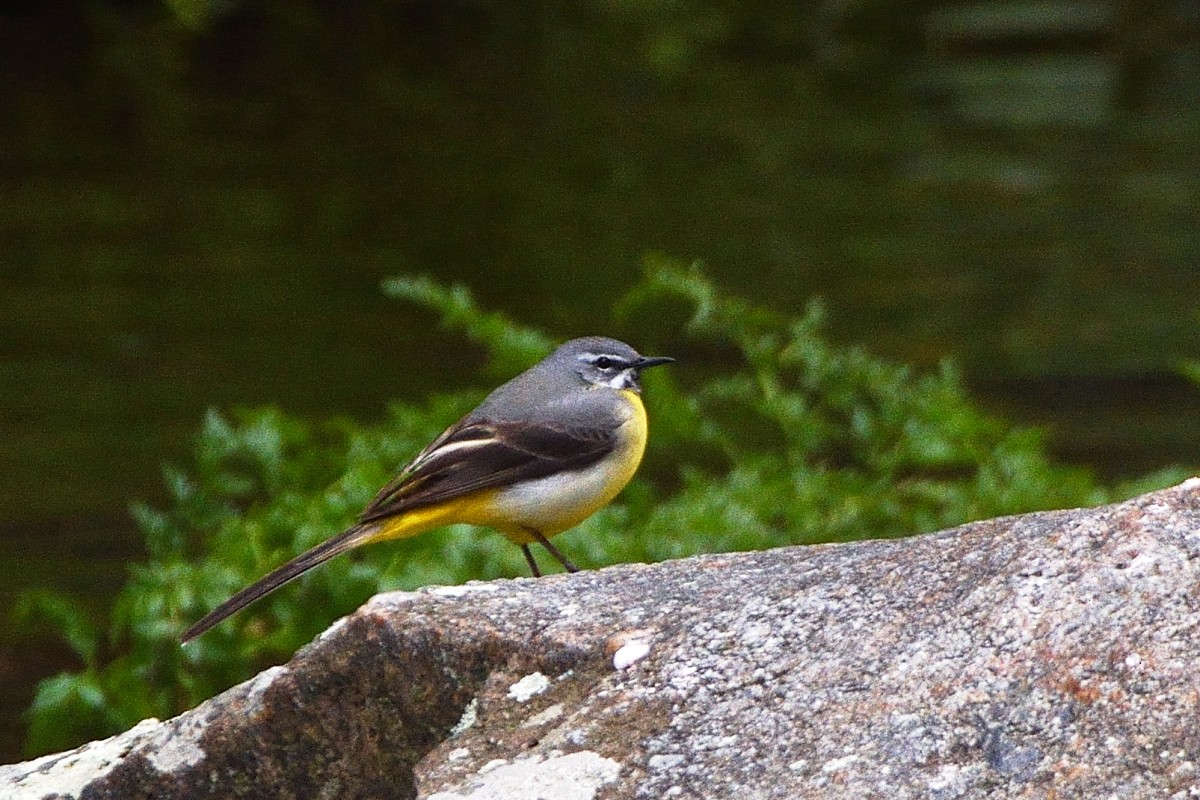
[{"x": 346, "y": 540}]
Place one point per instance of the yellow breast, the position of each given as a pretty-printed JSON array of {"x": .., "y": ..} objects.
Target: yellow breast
[{"x": 633, "y": 440}]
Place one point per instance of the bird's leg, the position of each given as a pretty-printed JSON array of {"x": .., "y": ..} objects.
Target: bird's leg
[
  {"x": 544, "y": 542},
  {"x": 533, "y": 567}
]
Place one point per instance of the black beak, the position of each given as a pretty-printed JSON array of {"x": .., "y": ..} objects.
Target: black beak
[{"x": 644, "y": 362}]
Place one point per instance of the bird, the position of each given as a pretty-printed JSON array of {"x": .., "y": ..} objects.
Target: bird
[{"x": 539, "y": 455}]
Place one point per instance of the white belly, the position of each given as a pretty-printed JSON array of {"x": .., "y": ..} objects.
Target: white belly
[{"x": 555, "y": 503}]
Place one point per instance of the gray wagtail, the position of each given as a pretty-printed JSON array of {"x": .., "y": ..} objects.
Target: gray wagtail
[{"x": 539, "y": 455}]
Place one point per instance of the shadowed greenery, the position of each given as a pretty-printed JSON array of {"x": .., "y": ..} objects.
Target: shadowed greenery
[{"x": 763, "y": 435}]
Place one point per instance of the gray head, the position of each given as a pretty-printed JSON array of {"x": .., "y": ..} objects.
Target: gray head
[{"x": 605, "y": 362}]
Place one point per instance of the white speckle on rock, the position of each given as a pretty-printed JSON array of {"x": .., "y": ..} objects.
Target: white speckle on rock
[
  {"x": 666, "y": 761},
  {"x": 838, "y": 764},
  {"x": 473, "y": 587},
  {"x": 392, "y": 599},
  {"x": 630, "y": 653},
  {"x": 469, "y": 715},
  {"x": 575, "y": 776},
  {"x": 755, "y": 632},
  {"x": 458, "y": 754},
  {"x": 553, "y": 712},
  {"x": 529, "y": 686},
  {"x": 684, "y": 677},
  {"x": 1133, "y": 660},
  {"x": 174, "y": 746},
  {"x": 1144, "y": 563},
  {"x": 333, "y": 628},
  {"x": 259, "y": 685}
]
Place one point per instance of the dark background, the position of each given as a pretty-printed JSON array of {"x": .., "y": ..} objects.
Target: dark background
[{"x": 198, "y": 201}]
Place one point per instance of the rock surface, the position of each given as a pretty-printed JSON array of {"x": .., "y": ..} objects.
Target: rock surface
[{"x": 1046, "y": 655}]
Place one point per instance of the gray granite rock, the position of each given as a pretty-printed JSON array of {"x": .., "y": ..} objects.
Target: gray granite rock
[{"x": 1045, "y": 655}]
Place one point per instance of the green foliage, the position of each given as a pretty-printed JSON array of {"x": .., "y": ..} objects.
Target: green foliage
[
  {"x": 510, "y": 347},
  {"x": 1191, "y": 371},
  {"x": 763, "y": 435}
]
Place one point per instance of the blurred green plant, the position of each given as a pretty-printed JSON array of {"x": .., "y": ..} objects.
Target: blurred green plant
[
  {"x": 1191, "y": 371},
  {"x": 779, "y": 438}
]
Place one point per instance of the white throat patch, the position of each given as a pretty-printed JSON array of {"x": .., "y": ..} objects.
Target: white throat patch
[{"x": 625, "y": 379}]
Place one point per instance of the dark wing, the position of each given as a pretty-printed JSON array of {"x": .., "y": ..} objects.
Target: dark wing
[{"x": 480, "y": 454}]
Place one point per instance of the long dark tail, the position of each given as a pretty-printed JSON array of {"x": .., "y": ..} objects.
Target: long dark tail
[{"x": 346, "y": 540}]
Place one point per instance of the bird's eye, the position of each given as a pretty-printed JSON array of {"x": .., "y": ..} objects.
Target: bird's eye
[{"x": 604, "y": 362}]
